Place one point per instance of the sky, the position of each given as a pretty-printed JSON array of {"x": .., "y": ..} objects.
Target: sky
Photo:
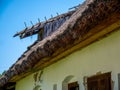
[{"x": 13, "y": 14}]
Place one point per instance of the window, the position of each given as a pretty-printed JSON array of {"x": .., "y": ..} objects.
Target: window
[
  {"x": 99, "y": 82},
  {"x": 55, "y": 87},
  {"x": 73, "y": 86}
]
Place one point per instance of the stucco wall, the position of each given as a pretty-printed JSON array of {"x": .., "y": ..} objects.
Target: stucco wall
[{"x": 103, "y": 55}]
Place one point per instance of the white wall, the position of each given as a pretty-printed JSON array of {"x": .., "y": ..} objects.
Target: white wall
[{"x": 103, "y": 55}]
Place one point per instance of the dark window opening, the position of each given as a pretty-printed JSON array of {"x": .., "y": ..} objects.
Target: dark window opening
[
  {"x": 73, "y": 86},
  {"x": 9, "y": 86}
]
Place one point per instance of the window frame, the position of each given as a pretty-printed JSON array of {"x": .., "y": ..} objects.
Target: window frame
[{"x": 73, "y": 85}]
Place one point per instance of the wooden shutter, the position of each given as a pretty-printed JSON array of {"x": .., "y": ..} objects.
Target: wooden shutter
[{"x": 99, "y": 82}]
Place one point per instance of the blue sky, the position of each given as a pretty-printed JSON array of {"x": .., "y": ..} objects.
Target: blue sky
[{"x": 13, "y": 14}]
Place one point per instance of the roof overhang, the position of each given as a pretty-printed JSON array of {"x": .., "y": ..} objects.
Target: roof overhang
[{"x": 102, "y": 30}]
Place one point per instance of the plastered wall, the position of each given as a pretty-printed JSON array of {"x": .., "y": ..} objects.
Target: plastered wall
[{"x": 103, "y": 55}]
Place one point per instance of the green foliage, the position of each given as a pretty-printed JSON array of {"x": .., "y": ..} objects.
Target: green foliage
[{"x": 3, "y": 73}]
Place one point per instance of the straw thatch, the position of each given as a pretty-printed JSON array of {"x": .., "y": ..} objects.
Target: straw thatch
[
  {"x": 35, "y": 29},
  {"x": 91, "y": 14}
]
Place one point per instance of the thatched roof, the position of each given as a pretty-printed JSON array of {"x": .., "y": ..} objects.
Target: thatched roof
[
  {"x": 29, "y": 31},
  {"x": 86, "y": 25}
]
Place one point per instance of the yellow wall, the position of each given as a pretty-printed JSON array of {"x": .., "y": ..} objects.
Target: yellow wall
[
  {"x": 25, "y": 84},
  {"x": 103, "y": 55}
]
